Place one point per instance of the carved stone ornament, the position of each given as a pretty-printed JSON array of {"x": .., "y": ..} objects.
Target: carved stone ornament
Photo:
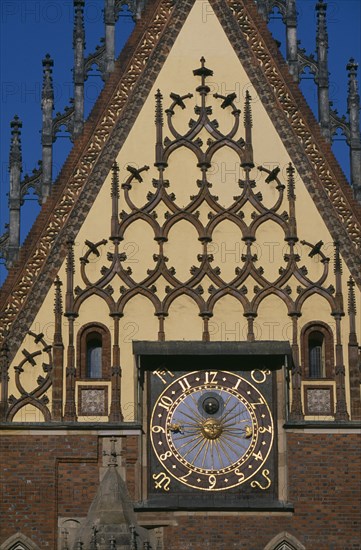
[
  {"x": 85, "y": 171},
  {"x": 249, "y": 268}
]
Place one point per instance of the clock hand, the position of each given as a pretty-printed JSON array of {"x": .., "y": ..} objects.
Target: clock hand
[
  {"x": 189, "y": 416},
  {"x": 198, "y": 453},
  {"x": 232, "y": 417},
  {"x": 230, "y": 443},
  {"x": 176, "y": 428},
  {"x": 185, "y": 435},
  {"x": 194, "y": 414},
  {"x": 221, "y": 443},
  {"x": 231, "y": 411},
  {"x": 194, "y": 446},
  {"x": 205, "y": 452}
]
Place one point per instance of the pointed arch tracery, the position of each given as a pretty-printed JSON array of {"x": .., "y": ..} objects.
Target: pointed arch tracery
[
  {"x": 250, "y": 285},
  {"x": 19, "y": 541},
  {"x": 284, "y": 541},
  {"x": 249, "y": 267}
]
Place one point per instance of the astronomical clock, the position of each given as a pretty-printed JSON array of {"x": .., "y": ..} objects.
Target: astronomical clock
[{"x": 211, "y": 434}]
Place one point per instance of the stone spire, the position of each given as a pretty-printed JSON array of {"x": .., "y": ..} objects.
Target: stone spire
[
  {"x": 353, "y": 354},
  {"x": 58, "y": 355},
  {"x": 248, "y": 123},
  {"x": 79, "y": 76},
  {"x": 109, "y": 22},
  {"x": 323, "y": 76},
  {"x": 111, "y": 513},
  {"x": 291, "y": 37},
  {"x": 291, "y": 200},
  {"x": 4, "y": 378},
  {"x": 47, "y": 106},
  {"x": 15, "y": 168},
  {"x": 115, "y": 199},
  {"x": 353, "y": 109},
  {"x": 159, "y": 128},
  {"x": 70, "y": 407},
  {"x": 340, "y": 372}
]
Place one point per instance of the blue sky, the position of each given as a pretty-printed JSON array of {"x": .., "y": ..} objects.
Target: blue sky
[{"x": 32, "y": 28}]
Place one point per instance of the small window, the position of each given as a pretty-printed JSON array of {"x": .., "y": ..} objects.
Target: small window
[
  {"x": 317, "y": 353},
  {"x": 94, "y": 349},
  {"x": 316, "y": 350},
  {"x": 93, "y": 352}
]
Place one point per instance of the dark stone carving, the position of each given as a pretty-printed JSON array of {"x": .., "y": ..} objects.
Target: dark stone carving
[{"x": 37, "y": 396}]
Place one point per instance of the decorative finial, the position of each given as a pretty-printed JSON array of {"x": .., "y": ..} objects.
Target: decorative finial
[
  {"x": 351, "y": 297},
  {"x": 115, "y": 181},
  {"x": 70, "y": 266},
  {"x": 353, "y": 110},
  {"x": 15, "y": 147},
  {"x": 47, "y": 92},
  {"x": 94, "y": 541},
  {"x": 133, "y": 542},
  {"x": 203, "y": 72},
  {"x": 158, "y": 108},
  {"x": 247, "y": 161},
  {"x": 79, "y": 32},
  {"x": 352, "y": 67},
  {"x": 337, "y": 260},
  {"x": 247, "y": 115},
  {"x": 291, "y": 182},
  {"x": 113, "y": 453},
  {"x": 321, "y": 8},
  {"x": 321, "y": 5},
  {"x": 58, "y": 302}
]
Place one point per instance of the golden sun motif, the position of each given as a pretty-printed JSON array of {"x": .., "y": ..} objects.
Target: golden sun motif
[
  {"x": 211, "y": 430},
  {"x": 211, "y": 436}
]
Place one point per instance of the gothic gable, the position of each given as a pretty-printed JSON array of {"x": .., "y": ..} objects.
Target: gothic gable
[{"x": 121, "y": 101}]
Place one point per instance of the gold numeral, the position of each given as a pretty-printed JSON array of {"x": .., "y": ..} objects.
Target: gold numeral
[
  {"x": 165, "y": 402},
  {"x": 166, "y": 455},
  {"x": 260, "y": 402},
  {"x": 211, "y": 377},
  {"x": 212, "y": 481},
  {"x": 163, "y": 480},
  {"x": 265, "y": 474},
  {"x": 183, "y": 478},
  {"x": 263, "y": 429},
  {"x": 238, "y": 383},
  {"x": 184, "y": 384},
  {"x": 158, "y": 429}
]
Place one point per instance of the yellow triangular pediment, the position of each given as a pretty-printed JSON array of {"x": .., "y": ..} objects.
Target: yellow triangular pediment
[{"x": 122, "y": 129}]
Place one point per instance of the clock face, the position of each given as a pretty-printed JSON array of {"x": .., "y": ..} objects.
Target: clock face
[{"x": 212, "y": 430}]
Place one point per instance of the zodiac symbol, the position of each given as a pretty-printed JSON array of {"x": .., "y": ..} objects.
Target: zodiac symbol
[
  {"x": 255, "y": 483},
  {"x": 163, "y": 480},
  {"x": 259, "y": 376}
]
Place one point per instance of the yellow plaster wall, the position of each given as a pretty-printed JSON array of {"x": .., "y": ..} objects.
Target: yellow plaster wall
[{"x": 201, "y": 35}]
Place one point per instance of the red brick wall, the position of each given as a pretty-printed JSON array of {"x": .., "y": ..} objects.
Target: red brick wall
[
  {"x": 44, "y": 477},
  {"x": 325, "y": 488},
  {"x": 30, "y": 482}
]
